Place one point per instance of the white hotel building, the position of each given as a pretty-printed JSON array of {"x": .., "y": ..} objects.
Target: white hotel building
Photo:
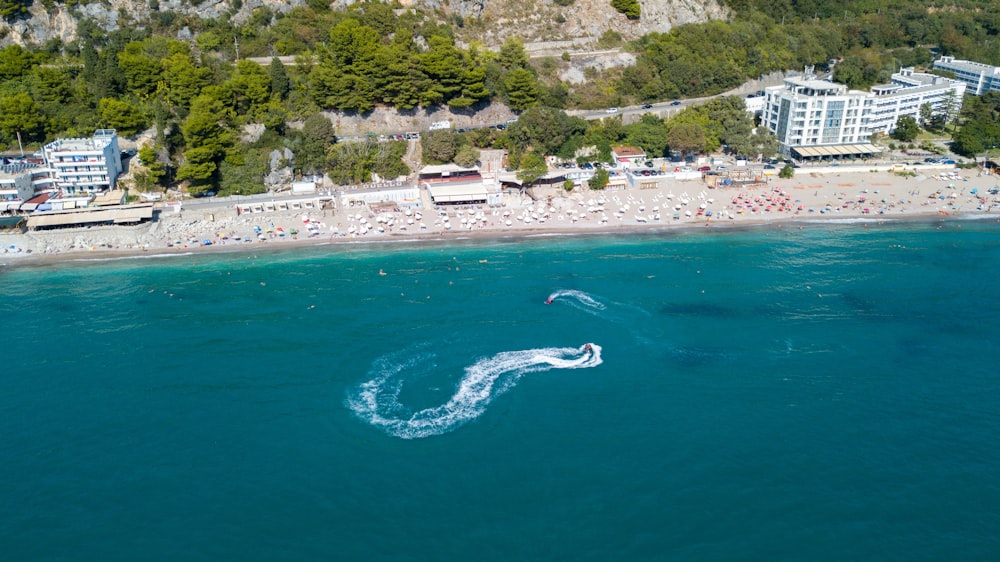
[
  {"x": 980, "y": 78},
  {"x": 816, "y": 119},
  {"x": 85, "y": 165}
]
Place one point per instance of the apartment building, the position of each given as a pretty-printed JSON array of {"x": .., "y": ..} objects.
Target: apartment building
[
  {"x": 978, "y": 77},
  {"x": 22, "y": 180},
  {"x": 907, "y": 92},
  {"x": 85, "y": 165},
  {"x": 817, "y": 119},
  {"x": 807, "y": 112}
]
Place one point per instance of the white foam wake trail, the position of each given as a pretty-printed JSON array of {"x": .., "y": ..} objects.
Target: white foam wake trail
[
  {"x": 377, "y": 401},
  {"x": 578, "y": 299}
]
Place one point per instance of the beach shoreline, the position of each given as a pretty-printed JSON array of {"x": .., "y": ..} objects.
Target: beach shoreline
[{"x": 805, "y": 201}]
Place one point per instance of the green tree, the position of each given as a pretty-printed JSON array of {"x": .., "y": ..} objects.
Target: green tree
[
  {"x": 246, "y": 177},
  {"x": 906, "y": 129},
  {"x": 951, "y": 106},
  {"x": 532, "y": 168},
  {"x": 342, "y": 77},
  {"x": 547, "y": 130},
  {"x": 316, "y": 138},
  {"x": 14, "y": 61},
  {"x": 473, "y": 88},
  {"x": 522, "y": 89},
  {"x": 52, "y": 86},
  {"x": 354, "y": 162},
  {"x": 155, "y": 169},
  {"x": 208, "y": 138},
  {"x": 280, "y": 84},
  {"x": 10, "y": 10},
  {"x": 143, "y": 71},
  {"x": 787, "y": 172},
  {"x": 439, "y": 147},
  {"x": 512, "y": 54},
  {"x": 127, "y": 118},
  {"x": 182, "y": 80},
  {"x": 21, "y": 114},
  {"x": 981, "y": 125},
  {"x": 396, "y": 76},
  {"x": 467, "y": 156},
  {"x": 246, "y": 90},
  {"x": 926, "y": 112},
  {"x": 599, "y": 179},
  {"x": 444, "y": 68},
  {"x": 686, "y": 137},
  {"x": 271, "y": 114}
]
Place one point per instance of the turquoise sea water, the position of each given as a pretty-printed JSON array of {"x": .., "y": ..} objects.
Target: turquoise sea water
[{"x": 828, "y": 393}]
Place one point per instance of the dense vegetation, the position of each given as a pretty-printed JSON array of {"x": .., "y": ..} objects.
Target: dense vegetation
[
  {"x": 981, "y": 129},
  {"x": 199, "y": 99}
]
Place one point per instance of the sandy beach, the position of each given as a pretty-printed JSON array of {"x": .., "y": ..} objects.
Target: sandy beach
[{"x": 809, "y": 196}]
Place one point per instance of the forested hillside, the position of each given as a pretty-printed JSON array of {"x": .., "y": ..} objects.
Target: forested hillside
[{"x": 182, "y": 78}]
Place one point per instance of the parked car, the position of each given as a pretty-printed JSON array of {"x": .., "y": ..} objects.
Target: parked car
[
  {"x": 611, "y": 110},
  {"x": 705, "y": 169},
  {"x": 649, "y": 163},
  {"x": 647, "y": 106},
  {"x": 675, "y": 102},
  {"x": 769, "y": 167}
]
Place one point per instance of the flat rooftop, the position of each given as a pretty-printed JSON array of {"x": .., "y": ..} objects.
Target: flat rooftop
[
  {"x": 101, "y": 139},
  {"x": 969, "y": 65}
]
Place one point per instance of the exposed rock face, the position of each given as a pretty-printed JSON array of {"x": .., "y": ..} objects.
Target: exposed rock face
[
  {"x": 489, "y": 21},
  {"x": 110, "y": 15},
  {"x": 543, "y": 22}
]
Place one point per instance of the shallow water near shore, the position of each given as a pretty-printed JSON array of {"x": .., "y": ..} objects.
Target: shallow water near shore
[{"x": 827, "y": 393}]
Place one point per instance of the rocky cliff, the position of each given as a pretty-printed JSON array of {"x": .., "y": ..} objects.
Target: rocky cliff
[
  {"x": 43, "y": 25},
  {"x": 488, "y": 22},
  {"x": 582, "y": 22}
]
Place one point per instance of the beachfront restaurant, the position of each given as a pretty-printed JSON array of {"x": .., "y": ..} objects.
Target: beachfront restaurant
[
  {"x": 398, "y": 196},
  {"x": 125, "y": 214},
  {"x": 834, "y": 152},
  {"x": 463, "y": 193},
  {"x": 454, "y": 185}
]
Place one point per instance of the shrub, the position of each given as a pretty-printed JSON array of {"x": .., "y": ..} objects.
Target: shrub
[{"x": 628, "y": 7}]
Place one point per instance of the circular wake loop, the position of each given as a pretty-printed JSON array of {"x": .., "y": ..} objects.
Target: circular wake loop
[{"x": 377, "y": 400}]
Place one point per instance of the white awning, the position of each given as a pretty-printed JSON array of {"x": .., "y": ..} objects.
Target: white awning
[
  {"x": 91, "y": 215},
  {"x": 460, "y": 193}
]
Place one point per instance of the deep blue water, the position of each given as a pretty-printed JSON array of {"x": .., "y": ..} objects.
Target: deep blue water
[{"x": 828, "y": 393}]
